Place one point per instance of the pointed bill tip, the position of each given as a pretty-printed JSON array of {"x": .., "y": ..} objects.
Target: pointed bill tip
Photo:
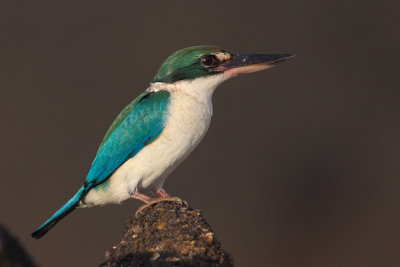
[{"x": 248, "y": 63}]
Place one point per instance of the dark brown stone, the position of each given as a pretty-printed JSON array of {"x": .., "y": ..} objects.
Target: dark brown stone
[
  {"x": 168, "y": 233},
  {"x": 11, "y": 252}
]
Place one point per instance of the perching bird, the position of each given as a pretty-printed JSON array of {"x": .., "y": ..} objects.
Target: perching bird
[{"x": 159, "y": 129}]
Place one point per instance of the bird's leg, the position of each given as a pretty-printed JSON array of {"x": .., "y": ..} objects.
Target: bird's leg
[
  {"x": 161, "y": 193},
  {"x": 161, "y": 196},
  {"x": 146, "y": 199},
  {"x": 142, "y": 197}
]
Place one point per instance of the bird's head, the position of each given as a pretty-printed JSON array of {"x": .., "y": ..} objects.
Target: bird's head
[{"x": 206, "y": 61}]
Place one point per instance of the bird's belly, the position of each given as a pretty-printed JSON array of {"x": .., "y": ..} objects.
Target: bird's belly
[
  {"x": 146, "y": 171},
  {"x": 186, "y": 126}
]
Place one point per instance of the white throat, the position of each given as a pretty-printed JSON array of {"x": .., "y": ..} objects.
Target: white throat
[{"x": 201, "y": 88}]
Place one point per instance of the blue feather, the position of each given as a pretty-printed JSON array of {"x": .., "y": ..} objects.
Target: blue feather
[
  {"x": 59, "y": 214},
  {"x": 136, "y": 126},
  {"x": 137, "y": 129}
]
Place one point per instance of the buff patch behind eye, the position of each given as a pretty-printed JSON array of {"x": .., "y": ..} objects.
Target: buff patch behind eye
[{"x": 222, "y": 56}]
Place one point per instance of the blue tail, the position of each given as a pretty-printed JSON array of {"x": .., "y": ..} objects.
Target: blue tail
[{"x": 61, "y": 213}]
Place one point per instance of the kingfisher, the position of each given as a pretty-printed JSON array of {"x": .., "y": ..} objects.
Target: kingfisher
[{"x": 155, "y": 132}]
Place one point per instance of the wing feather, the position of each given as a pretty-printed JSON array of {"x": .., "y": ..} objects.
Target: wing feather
[{"x": 138, "y": 124}]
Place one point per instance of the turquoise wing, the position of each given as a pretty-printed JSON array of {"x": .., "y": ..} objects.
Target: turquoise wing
[{"x": 137, "y": 125}]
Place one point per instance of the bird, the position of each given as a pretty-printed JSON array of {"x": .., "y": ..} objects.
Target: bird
[{"x": 155, "y": 132}]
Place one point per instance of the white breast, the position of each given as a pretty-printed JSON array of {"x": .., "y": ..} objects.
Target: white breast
[{"x": 188, "y": 119}]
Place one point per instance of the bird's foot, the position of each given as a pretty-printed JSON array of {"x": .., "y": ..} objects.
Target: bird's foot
[
  {"x": 161, "y": 193},
  {"x": 142, "y": 197},
  {"x": 151, "y": 203}
]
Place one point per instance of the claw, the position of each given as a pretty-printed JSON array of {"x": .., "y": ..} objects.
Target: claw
[
  {"x": 161, "y": 193},
  {"x": 153, "y": 202},
  {"x": 150, "y": 201}
]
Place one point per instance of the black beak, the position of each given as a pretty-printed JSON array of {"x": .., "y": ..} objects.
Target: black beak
[{"x": 239, "y": 60}]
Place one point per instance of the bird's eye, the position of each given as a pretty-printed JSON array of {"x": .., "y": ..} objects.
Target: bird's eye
[{"x": 209, "y": 61}]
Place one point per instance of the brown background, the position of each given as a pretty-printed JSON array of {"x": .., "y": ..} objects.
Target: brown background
[{"x": 300, "y": 166}]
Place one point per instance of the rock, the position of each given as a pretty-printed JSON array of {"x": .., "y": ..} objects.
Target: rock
[
  {"x": 168, "y": 233},
  {"x": 11, "y": 252}
]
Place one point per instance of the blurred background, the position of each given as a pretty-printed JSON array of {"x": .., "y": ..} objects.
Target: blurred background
[{"x": 300, "y": 166}]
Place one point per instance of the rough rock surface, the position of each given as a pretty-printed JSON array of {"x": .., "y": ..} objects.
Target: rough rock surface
[
  {"x": 168, "y": 233},
  {"x": 11, "y": 252}
]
